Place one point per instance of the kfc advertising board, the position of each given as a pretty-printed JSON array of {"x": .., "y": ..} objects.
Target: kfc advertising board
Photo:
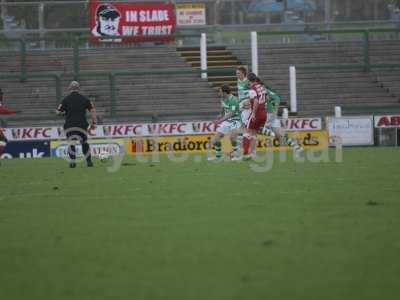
[
  {"x": 144, "y": 129},
  {"x": 113, "y": 22}
]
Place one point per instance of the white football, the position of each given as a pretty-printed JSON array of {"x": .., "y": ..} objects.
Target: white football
[{"x": 104, "y": 156}]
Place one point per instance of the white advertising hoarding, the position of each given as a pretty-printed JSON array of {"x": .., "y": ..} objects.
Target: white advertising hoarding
[
  {"x": 352, "y": 131},
  {"x": 190, "y": 14}
]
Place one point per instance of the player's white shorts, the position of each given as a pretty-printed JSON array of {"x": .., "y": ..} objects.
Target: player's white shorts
[
  {"x": 227, "y": 126},
  {"x": 273, "y": 121},
  {"x": 245, "y": 114}
]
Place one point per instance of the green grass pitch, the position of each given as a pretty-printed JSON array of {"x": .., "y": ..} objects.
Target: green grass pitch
[{"x": 209, "y": 231}]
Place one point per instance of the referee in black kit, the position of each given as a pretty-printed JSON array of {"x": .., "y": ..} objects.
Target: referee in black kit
[{"x": 74, "y": 107}]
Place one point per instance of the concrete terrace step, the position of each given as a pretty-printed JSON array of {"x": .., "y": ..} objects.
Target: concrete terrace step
[
  {"x": 212, "y": 78},
  {"x": 209, "y": 52},
  {"x": 211, "y": 64},
  {"x": 230, "y": 68},
  {"x": 197, "y": 48},
  {"x": 210, "y": 58}
]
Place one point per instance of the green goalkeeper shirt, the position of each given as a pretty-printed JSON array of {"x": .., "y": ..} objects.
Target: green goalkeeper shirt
[
  {"x": 243, "y": 87},
  {"x": 229, "y": 105}
]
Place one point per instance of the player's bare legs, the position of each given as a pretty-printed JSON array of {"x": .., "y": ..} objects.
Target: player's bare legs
[
  {"x": 253, "y": 143},
  {"x": 284, "y": 139},
  {"x": 249, "y": 143},
  {"x": 273, "y": 128},
  {"x": 237, "y": 143},
  {"x": 234, "y": 137}
]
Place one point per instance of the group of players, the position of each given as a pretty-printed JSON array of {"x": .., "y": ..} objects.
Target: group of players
[{"x": 253, "y": 111}]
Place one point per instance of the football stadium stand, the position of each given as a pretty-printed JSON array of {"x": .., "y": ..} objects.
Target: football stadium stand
[
  {"x": 147, "y": 92},
  {"x": 139, "y": 96}
]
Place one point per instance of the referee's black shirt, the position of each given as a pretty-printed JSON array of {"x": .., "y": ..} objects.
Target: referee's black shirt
[{"x": 75, "y": 106}]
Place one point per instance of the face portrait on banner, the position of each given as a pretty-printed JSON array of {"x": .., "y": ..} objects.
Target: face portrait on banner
[
  {"x": 132, "y": 22},
  {"x": 107, "y": 21}
]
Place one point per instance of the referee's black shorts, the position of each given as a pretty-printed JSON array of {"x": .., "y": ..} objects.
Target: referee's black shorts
[{"x": 76, "y": 134}]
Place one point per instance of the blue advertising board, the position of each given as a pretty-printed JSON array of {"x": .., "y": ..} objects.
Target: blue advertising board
[{"x": 26, "y": 149}]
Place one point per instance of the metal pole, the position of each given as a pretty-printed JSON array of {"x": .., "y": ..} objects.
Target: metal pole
[
  {"x": 338, "y": 112},
  {"x": 233, "y": 11},
  {"x": 3, "y": 9},
  {"x": 285, "y": 8},
  {"x": 254, "y": 53},
  {"x": 41, "y": 24},
  {"x": 285, "y": 5},
  {"x": 327, "y": 11},
  {"x": 293, "y": 90},
  {"x": 203, "y": 55},
  {"x": 285, "y": 114},
  {"x": 215, "y": 13}
]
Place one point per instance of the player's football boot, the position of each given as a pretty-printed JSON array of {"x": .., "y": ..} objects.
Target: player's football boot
[
  {"x": 237, "y": 158},
  {"x": 297, "y": 150},
  {"x": 249, "y": 156},
  {"x": 214, "y": 158}
]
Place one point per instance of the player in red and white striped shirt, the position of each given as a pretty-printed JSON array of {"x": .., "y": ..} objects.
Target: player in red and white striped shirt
[{"x": 258, "y": 116}]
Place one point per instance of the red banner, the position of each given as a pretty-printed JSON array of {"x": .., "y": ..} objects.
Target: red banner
[
  {"x": 132, "y": 22},
  {"x": 388, "y": 121}
]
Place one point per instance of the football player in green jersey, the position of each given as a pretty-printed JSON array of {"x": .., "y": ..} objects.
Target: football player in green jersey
[
  {"x": 273, "y": 123},
  {"x": 273, "y": 126},
  {"x": 243, "y": 87},
  {"x": 229, "y": 122},
  {"x": 243, "y": 84}
]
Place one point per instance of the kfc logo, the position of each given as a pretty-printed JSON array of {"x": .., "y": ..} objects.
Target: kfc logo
[{"x": 107, "y": 21}]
